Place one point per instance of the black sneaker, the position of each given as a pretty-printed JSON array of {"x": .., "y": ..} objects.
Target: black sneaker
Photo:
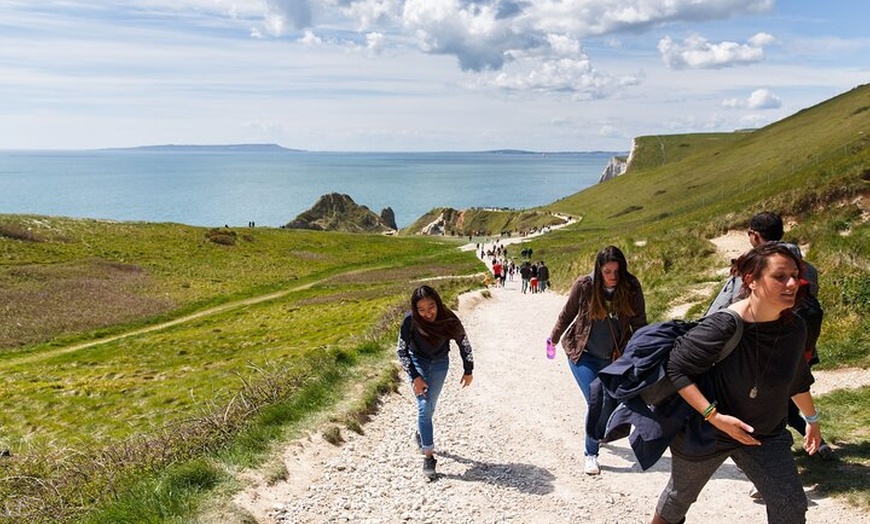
[
  {"x": 429, "y": 467},
  {"x": 825, "y": 452}
]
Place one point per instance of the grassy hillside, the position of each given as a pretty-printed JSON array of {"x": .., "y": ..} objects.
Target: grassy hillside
[
  {"x": 816, "y": 156},
  {"x": 99, "y": 406},
  {"x": 680, "y": 190},
  {"x": 60, "y": 277},
  {"x": 295, "y": 318},
  {"x": 484, "y": 222}
]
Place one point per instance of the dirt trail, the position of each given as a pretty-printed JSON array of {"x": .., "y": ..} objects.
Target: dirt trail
[
  {"x": 510, "y": 448},
  {"x": 223, "y": 308}
]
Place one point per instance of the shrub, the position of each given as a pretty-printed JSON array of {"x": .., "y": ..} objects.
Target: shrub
[
  {"x": 17, "y": 232},
  {"x": 332, "y": 434},
  {"x": 223, "y": 237}
]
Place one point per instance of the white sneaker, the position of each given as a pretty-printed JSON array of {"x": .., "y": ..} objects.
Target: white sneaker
[{"x": 592, "y": 465}]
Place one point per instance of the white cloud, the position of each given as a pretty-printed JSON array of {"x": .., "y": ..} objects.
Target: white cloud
[
  {"x": 564, "y": 45},
  {"x": 761, "y": 40},
  {"x": 281, "y": 12},
  {"x": 565, "y": 75},
  {"x": 759, "y": 99},
  {"x": 372, "y": 13},
  {"x": 763, "y": 99},
  {"x": 428, "y": 74},
  {"x": 697, "y": 53},
  {"x": 481, "y": 34},
  {"x": 308, "y": 38},
  {"x": 375, "y": 42}
]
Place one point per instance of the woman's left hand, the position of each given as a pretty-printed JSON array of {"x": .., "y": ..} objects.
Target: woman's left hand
[
  {"x": 813, "y": 438},
  {"x": 466, "y": 380}
]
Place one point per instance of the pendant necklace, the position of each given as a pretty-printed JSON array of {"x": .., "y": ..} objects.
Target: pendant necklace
[{"x": 753, "y": 393}]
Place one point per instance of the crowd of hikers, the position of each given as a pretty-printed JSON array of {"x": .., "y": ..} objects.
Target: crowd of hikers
[
  {"x": 726, "y": 386},
  {"x": 534, "y": 276}
]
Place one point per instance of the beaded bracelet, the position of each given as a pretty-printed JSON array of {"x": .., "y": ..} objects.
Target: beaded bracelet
[
  {"x": 813, "y": 419},
  {"x": 710, "y": 411}
]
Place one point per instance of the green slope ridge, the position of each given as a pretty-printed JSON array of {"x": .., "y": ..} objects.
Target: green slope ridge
[
  {"x": 343, "y": 294},
  {"x": 681, "y": 190}
]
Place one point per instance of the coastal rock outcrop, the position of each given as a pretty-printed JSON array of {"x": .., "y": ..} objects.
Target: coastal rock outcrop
[
  {"x": 388, "y": 218},
  {"x": 338, "y": 212},
  {"x": 617, "y": 166}
]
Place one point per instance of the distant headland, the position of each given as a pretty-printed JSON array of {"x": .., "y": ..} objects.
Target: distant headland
[
  {"x": 275, "y": 148},
  {"x": 181, "y": 148}
]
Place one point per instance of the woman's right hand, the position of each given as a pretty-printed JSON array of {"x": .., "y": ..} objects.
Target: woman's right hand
[
  {"x": 420, "y": 386},
  {"x": 734, "y": 428}
]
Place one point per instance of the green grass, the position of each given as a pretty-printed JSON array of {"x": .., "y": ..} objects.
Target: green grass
[
  {"x": 129, "y": 406},
  {"x": 682, "y": 190},
  {"x": 100, "y": 277},
  {"x": 140, "y": 426},
  {"x": 486, "y": 222},
  {"x": 175, "y": 492},
  {"x": 144, "y": 382},
  {"x": 845, "y": 425},
  {"x": 127, "y": 478}
]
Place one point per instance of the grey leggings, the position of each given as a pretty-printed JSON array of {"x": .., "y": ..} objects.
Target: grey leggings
[{"x": 769, "y": 466}]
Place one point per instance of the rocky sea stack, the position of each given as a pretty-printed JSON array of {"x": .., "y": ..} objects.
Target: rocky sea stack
[{"x": 337, "y": 212}]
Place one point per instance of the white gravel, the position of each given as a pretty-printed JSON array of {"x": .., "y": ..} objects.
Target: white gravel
[{"x": 509, "y": 448}]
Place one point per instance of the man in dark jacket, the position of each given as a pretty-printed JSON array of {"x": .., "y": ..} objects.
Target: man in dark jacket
[{"x": 543, "y": 276}]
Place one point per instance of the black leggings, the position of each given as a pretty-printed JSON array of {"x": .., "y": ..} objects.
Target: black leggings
[{"x": 769, "y": 466}]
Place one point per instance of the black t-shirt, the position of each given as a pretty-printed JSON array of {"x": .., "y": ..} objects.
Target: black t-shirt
[{"x": 769, "y": 357}]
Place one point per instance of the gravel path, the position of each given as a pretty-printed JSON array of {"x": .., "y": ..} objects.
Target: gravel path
[{"x": 509, "y": 448}]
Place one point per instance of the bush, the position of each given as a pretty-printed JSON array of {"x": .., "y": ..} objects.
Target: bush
[
  {"x": 17, "y": 232},
  {"x": 223, "y": 237},
  {"x": 332, "y": 434}
]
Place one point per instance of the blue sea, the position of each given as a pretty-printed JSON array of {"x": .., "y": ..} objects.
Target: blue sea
[{"x": 270, "y": 188}]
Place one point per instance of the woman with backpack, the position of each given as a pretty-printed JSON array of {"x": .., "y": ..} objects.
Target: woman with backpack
[
  {"x": 423, "y": 347},
  {"x": 603, "y": 309},
  {"x": 742, "y": 401}
]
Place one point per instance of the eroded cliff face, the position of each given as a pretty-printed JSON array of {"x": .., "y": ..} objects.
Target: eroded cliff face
[
  {"x": 614, "y": 168},
  {"x": 338, "y": 212}
]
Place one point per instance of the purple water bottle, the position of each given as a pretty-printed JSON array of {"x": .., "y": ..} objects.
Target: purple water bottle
[{"x": 551, "y": 349}]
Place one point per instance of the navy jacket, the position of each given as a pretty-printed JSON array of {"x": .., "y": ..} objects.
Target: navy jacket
[{"x": 616, "y": 403}]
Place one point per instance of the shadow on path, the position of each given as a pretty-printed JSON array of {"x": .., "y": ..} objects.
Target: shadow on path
[
  {"x": 728, "y": 470},
  {"x": 522, "y": 477}
]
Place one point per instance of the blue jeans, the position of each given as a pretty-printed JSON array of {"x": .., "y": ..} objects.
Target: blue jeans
[
  {"x": 585, "y": 371},
  {"x": 434, "y": 372}
]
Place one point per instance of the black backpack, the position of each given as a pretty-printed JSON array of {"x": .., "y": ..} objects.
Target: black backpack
[
  {"x": 642, "y": 368},
  {"x": 810, "y": 310}
]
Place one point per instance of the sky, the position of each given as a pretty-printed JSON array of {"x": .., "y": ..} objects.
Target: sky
[{"x": 416, "y": 75}]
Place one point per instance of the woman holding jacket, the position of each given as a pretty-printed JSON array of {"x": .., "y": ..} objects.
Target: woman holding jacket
[
  {"x": 742, "y": 400},
  {"x": 603, "y": 310}
]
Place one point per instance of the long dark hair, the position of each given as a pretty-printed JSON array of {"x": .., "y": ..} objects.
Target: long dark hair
[
  {"x": 446, "y": 324},
  {"x": 754, "y": 261},
  {"x": 620, "y": 301}
]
